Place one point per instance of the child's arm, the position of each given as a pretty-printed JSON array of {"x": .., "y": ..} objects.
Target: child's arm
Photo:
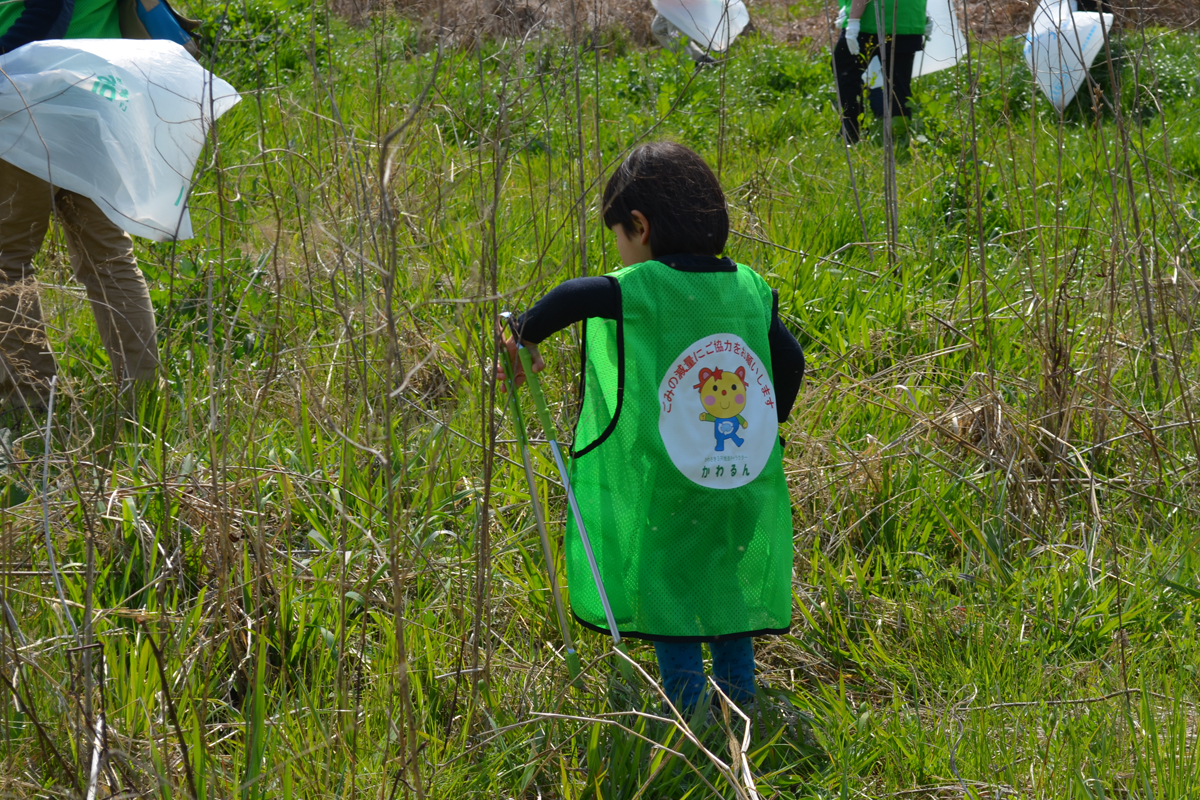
[
  {"x": 570, "y": 302},
  {"x": 787, "y": 362}
]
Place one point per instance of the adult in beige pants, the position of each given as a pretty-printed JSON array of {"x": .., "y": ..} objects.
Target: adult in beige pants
[{"x": 102, "y": 259}]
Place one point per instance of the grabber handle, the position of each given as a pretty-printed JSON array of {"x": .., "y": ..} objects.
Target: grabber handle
[
  {"x": 539, "y": 400},
  {"x": 572, "y": 656}
]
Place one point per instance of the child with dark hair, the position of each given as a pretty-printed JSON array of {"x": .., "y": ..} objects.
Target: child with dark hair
[{"x": 677, "y": 459}]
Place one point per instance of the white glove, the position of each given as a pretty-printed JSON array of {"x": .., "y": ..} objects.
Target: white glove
[
  {"x": 852, "y": 28},
  {"x": 928, "y": 27},
  {"x": 841, "y": 18}
]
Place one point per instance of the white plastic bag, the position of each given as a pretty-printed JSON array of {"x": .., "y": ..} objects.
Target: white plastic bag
[
  {"x": 120, "y": 121},
  {"x": 712, "y": 24},
  {"x": 1060, "y": 47},
  {"x": 946, "y": 44},
  {"x": 873, "y": 76}
]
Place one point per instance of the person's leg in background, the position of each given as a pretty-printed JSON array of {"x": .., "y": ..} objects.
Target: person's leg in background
[
  {"x": 733, "y": 669},
  {"x": 103, "y": 261},
  {"x": 681, "y": 667},
  {"x": 26, "y": 361},
  {"x": 847, "y": 72},
  {"x": 897, "y": 54}
]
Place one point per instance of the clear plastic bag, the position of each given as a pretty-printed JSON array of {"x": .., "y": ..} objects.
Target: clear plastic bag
[
  {"x": 1060, "y": 47},
  {"x": 120, "y": 121},
  {"x": 712, "y": 24}
]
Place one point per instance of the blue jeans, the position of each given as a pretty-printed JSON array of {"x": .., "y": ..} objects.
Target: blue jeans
[{"x": 682, "y": 669}]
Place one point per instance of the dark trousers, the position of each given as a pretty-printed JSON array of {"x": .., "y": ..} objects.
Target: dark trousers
[{"x": 896, "y": 55}]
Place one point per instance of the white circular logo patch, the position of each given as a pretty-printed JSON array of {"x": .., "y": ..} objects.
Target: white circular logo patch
[{"x": 717, "y": 415}]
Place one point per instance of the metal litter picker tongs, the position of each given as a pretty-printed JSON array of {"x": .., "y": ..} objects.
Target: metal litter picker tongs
[{"x": 539, "y": 399}]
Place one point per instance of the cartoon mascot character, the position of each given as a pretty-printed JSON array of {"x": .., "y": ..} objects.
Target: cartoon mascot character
[{"x": 724, "y": 397}]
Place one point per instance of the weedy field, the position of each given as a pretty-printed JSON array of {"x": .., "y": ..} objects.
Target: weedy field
[{"x": 309, "y": 568}]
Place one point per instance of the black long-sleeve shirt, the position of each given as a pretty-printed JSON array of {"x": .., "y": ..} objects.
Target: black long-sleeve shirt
[
  {"x": 580, "y": 298},
  {"x": 40, "y": 19}
]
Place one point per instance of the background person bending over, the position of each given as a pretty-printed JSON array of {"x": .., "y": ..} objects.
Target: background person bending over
[
  {"x": 905, "y": 27},
  {"x": 101, "y": 253}
]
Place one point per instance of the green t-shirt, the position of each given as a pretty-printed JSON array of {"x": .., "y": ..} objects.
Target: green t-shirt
[
  {"x": 92, "y": 19},
  {"x": 678, "y": 466},
  {"x": 899, "y": 16}
]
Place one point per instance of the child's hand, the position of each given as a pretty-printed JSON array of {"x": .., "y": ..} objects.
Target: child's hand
[{"x": 505, "y": 339}]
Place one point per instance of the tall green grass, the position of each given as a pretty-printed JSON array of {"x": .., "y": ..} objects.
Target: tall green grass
[{"x": 318, "y": 531}]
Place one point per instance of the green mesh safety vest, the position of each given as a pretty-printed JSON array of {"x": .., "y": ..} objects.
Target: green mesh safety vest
[
  {"x": 91, "y": 19},
  {"x": 677, "y": 465},
  {"x": 899, "y": 16}
]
